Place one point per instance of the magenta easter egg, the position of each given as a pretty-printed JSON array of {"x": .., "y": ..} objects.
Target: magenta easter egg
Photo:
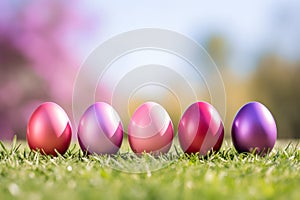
[
  {"x": 100, "y": 130},
  {"x": 150, "y": 129},
  {"x": 49, "y": 129},
  {"x": 254, "y": 128},
  {"x": 200, "y": 129}
]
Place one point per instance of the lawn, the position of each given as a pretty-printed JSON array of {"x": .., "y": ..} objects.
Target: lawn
[{"x": 224, "y": 175}]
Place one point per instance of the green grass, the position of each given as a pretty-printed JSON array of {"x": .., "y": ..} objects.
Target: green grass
[{"x": 224, "y": 175}]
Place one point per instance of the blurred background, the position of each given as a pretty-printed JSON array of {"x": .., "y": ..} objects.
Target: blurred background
[{"x": 255, "y": 44}]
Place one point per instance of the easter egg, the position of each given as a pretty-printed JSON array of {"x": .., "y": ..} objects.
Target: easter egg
[
  {"x": 200, "y": 129},
  {"x": 49, "y": 129},
  {"x": 150, "y": 129},
  {"x": 100, "y": 130},
  {"x": 254, "y": 128}
]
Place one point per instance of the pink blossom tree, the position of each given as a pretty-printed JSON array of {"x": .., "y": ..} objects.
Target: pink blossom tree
[{"x": 37, "y": 62}]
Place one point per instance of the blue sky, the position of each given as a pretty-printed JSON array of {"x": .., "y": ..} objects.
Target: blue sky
[{"x": 249, "y": 27}]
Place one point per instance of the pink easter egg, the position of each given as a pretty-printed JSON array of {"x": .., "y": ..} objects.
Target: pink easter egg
[
  {"x": 150, "y": 129},
  {"x": 200, "y": 129},
  {"x": 100, "y": 130},
  {"x": 49, "y": 129}
]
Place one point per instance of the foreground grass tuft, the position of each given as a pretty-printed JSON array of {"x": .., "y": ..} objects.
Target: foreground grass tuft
[{"x": 224, "y": 175}]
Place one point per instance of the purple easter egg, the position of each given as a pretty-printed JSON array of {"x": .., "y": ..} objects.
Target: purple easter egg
[
  {"x": 254, "y": 129},
  {"x": 100, "y": 130},
  {"x": 150, "y": 129}
]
